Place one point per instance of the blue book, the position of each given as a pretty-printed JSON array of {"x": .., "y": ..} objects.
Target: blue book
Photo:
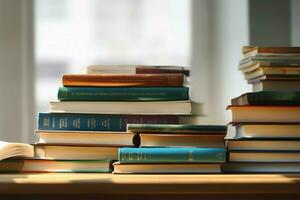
[
  {"x": 97, "y": 122},
  {"x": 123, "y": 93},
  {"x": 172, "y": 155}
]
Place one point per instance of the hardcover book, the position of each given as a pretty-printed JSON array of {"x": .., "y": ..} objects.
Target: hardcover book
[{"x": 264, "y": 156}]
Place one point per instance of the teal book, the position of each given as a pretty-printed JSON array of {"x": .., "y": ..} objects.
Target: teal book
[
  {"x": 176, "y": 128},
  {"x": 284, "y": 98},
  {"x": 123, "y": 93},
  {"x": 172, "y": 155}
]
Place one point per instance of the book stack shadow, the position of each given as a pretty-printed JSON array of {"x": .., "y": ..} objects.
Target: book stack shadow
[{"x": 267, "y": 120}]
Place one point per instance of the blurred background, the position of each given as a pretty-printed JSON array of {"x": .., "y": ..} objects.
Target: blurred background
[{"x": 42, "y": 39}]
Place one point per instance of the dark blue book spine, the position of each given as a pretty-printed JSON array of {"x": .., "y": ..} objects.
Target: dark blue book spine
[
  {"x": 172, "y": 155},
  {"x": 95, "y": 122}
]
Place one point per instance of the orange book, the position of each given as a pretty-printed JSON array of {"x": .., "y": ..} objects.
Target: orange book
[{"x": 123, "y": 80}]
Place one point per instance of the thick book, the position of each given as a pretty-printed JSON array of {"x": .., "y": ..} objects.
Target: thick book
[
  {"x": 136, "y": 69},
  {"x": 275, "y": 85},
  {"x": 181, "y": 140},
  {"x": 167, "y": 168},
  {"x": 177, "y": 128},
  {"x": 268, "y": 98},
  {"x": 123, "y": 80},
  {"x": 264, "y": 156},
  {"x": 122, "y": 107},
  {"x": 172, "y": 155},
  {"x": 269, "y": 71},
  {"x": 265, "y": 113},
  {"x": 57, "y": 166},
  {"x": 278, "y": 167},
  {"x": 59, "y": 152},
  {"x": 251, "y": 63},
  {"x": 123, "y": 93},
  {"x": 93, "y": 122},
  {"x": 87, "y": 138},
  {"x": 267, "y": 130},
  {"x": 264, "y": 144},
  {"x": 8, "y": 150},
  {"x": 252, "y": 51}
]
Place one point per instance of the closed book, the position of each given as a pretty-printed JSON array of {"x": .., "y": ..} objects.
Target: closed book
[
  {"x": 265, "y": 113},
  {"x": 248, "y": 64},
  {"x": 172, "y": 155},
  {"x": 264, "y": 156},
  {"x": 123, "y": 80},
  {"x": 252, "y": 50},
  {"x": 276, "y": 85},
  {"x": 136, "y": 69},
  {"x": 268, "y": 98},
  {"x": 94, "y": 122},
  {"x": 122, "y": 107},
  {"x": 123, "y": 93},
  {"x": 57, "y": 166},
  {"x": 278, "y": 167},
  {"x": 177, "y": 128},
  {"x": 167, "y": 168},
  {"x": 59, "y": 152},
  {"x": 268, "y": 130},
  {"x": 261, "y": 71},
  {"x": 87, "y": 138}
]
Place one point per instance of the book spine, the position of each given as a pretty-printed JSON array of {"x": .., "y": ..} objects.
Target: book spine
[
  {"x": 123, "y": 94},
  {"x": 94, "y": 122},
  {"x": 172, "y": 155},
  {"x": 138, "y": 80}
]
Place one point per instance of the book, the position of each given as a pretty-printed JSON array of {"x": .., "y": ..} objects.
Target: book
[
  {"x": 252, "y": 51},
  {"x": 136, "y": 69},
  {"x": 261, "y": 167},
  {"x": 93, "y": 122},
  {"x": 8, "y": 150},
  {"x": 268, "y": 98},
  {"x": 264, "y": 156},
  {"x": 169, "y": 168},
  {"x": 181, "y": 140},
  {"x": 275, "y": 77},
  {"x": 176, "y": 128},
  {"x": 263, "y": 144},
  {"x": 251, "y": 63},
  {"x": 122, "y": 107},
  {"x": 265, "y": 113},
  {"x": 275, "y": 85},
  {"x": 269, "y": 71},
  {"x": 123, "y": 93},
  {"x": 267, "y": 130},
  {"x": 55, "y": 152},
  {"x": 45, "y": 166},
  {"x": 87, "y": 138},
  {"x": 172, "y": 155},
  {"x": 123, "y": 80}
]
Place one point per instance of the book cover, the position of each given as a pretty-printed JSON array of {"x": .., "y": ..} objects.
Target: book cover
[
  {"x": 176, "y": 128},
  {"x": 95, "y": 122},
  {"x": 268, "y": 98},
  {"x": 123, "y": 80},
  {"x": 172, "y": 155},
  {"x": 123, "y": 93}
]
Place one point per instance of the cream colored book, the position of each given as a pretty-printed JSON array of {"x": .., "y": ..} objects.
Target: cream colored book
[{"x": 8, "y": 150}]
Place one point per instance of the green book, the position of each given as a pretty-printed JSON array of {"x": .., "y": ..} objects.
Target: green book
[
  {"x": 284, "y": 98},
  {"x": 176, "y": 128},
  {"x": 123, "y": 93}
]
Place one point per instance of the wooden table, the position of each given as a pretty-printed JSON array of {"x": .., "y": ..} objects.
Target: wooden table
[{"x": 94, "y": 186}]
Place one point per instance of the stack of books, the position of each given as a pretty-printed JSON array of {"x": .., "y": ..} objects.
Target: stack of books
[
  {"x": 174, "y": 149},
  {"x": 86, "y": 126},
  {"x": 267, "y": 120}
]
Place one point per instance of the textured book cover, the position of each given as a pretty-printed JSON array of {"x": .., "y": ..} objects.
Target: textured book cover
[
  {"x": 122, "y": 80},
  {"x": 97, "y": 122},
  {"x": 123, "y": 93},
  {"x": 172, "y": 155}
]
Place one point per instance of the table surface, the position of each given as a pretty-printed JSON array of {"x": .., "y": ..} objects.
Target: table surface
[{"x": 96, "y": 183}]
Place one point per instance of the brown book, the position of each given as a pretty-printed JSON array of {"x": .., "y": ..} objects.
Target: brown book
[
  {"x": 123, "y": 80},
  {"x": 252, "y": 51}
]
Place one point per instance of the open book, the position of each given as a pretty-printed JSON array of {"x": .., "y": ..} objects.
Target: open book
[{"x": 8, "y": 150}]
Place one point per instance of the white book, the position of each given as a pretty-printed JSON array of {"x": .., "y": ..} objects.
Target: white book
[
  {"x": 134, "y": 108},
  {"x": 8, "y": 150}
]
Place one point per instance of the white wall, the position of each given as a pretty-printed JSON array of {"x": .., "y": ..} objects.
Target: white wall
[
  {"x": 220, "y": 31},
  {"x": 16, "y": 71}
]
